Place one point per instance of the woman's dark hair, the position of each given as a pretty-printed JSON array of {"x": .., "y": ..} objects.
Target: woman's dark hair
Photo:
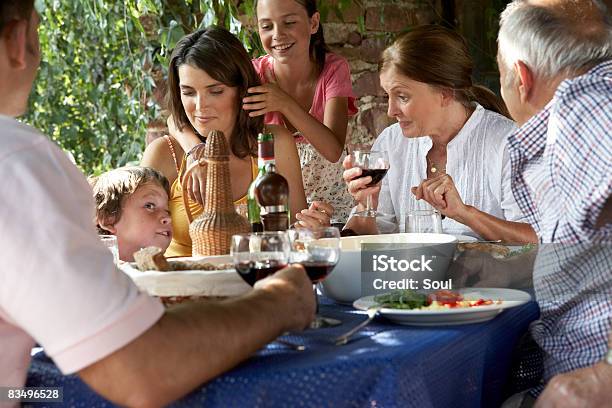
[
  {"x": 439, "y": 57},
  {"x": 15, "y": 10},
  {"x": 318, "y": 48},
  {"x": 223, "y": 57}
]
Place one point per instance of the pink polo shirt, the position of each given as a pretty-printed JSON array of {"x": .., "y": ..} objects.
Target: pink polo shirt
[
  {"x": 334, "y": 81},
  {"x": 58, "y": 284}
]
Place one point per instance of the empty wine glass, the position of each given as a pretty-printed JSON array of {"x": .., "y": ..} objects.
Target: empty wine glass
[
  {"x": 259, "y": 254},
  {"x": 318, "y": 251},
  {"x": 375, "y": 164}
]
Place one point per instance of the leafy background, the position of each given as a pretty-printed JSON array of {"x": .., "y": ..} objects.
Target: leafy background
[{"x": 103, "y": 66}]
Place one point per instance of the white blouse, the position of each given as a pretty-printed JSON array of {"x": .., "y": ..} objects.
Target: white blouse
[{"x": 477, "y": 160}]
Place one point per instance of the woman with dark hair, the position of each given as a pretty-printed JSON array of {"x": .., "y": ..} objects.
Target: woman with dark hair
[
  {"x": 209, "y": 74},
  {"x": 449, "y": 146},
  {"x": 306, "y": 89}
]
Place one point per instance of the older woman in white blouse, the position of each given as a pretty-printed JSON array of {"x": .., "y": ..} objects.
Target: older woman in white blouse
[{"x": 448, "y": 147}]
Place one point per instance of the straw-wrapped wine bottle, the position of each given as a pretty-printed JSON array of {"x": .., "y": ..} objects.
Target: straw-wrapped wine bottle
[{"x": 211, "y": 232}]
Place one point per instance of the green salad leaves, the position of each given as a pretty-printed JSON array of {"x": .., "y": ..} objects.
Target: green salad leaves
[{"x": 402, "y": 299}]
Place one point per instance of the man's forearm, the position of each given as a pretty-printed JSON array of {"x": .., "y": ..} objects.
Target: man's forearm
[{"x": 208, "y": 339}]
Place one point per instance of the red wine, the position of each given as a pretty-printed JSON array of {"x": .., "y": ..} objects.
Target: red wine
[
  {"x": 376, "y": 174},
  {"x": 252, "y": 271},
  {"x": 317, "y": 271}
]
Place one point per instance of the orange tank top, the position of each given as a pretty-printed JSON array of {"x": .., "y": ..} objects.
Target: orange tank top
[{"x": 181, "y": 241}]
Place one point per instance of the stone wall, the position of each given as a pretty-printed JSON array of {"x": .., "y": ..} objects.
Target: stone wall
[{"x": 382, "y": 20}]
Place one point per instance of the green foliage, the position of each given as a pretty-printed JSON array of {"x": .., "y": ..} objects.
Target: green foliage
[{"x": 103, "y": 62}]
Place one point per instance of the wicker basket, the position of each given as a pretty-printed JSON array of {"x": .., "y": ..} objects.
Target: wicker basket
[{"x": 211, "y": 233}]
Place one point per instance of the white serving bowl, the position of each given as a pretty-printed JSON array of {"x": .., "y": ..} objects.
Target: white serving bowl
[
  {"x": 343, "y": 284},
  {"x": 214, "y": 283}
]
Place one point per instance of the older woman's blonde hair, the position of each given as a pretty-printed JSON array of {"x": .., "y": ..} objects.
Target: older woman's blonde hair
[{"x": 440, "y": 57}]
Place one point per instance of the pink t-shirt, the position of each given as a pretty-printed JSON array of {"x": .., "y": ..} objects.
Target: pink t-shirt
[
  {"x": 334, "y": 81},
  {"x": 322, "y": 179},
  {"x": 58, "y": 284}
]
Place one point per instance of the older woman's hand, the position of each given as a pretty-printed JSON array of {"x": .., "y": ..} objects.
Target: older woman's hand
[
  {"x": 317, "y": 215},
  {"x": 357, "y": 185},
  {"x": 442, "y": 194}
]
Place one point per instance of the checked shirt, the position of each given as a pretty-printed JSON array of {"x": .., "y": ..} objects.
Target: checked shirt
[{"x": 561, "y": 162}]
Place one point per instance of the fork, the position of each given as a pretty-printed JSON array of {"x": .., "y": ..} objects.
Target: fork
[
  {"x": 497, "y": 241},
  {"x": 343, "y": 339},
  {"x": 291, "y": 345}
]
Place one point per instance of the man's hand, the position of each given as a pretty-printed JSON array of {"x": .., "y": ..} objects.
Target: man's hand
[
  {"x": 357, "y": 185},
  {"x": 442, "y": 194},
  {"x": 291, "y": 289},
  {"x": 585, "y": 387}
]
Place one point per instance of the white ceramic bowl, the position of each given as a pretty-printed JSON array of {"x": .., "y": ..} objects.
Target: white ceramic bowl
[
  {"x": 215, "y": 283},
  {"x": 343, "y": 284}
]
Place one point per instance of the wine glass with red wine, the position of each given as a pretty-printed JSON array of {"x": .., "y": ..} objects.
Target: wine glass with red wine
[
  {"x": 373, "y": 163},
  {"x": 259, "y": 254},
  {"x": 318, "y": 251}
]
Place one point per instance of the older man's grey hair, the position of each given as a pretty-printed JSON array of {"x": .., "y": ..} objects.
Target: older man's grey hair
[{"x": 564, "y": 38}]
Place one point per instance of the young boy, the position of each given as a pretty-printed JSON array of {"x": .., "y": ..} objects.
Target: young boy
[{"x": 132, "y": 204}]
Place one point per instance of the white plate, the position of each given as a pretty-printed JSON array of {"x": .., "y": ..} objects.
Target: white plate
[{"x": 447, "y": 317}]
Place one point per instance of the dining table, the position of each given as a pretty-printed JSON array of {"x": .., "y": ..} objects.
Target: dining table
[{"x": 383, "y": 365}]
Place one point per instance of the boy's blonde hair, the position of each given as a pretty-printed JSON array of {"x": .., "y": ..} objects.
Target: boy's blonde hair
[{"x": 112, "y": 188}]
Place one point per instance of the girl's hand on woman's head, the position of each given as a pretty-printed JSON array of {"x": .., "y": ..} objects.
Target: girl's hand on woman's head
[
  {"x": 317, "y": 215},
  {"x": 266, "y": 98},
  {"x": 442, "y": 194},
  {"x": 357, "y": 185}
]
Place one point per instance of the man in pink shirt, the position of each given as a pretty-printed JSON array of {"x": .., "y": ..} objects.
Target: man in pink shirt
[{"x": 60, "y": 288}]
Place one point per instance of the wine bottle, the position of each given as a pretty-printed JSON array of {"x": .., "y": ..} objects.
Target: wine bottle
[
  {"x": 272, "y": 194},
  {"x": 265, "y": 154}
]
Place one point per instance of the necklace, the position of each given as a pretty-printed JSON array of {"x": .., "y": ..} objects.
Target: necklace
[{"x": 434, "y": 168}]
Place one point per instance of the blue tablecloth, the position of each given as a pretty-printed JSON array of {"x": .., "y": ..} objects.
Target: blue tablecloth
[{"x": 387, "y": 365}]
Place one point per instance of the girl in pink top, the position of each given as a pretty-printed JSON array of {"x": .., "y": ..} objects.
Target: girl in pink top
[{"x": 306, "y": 89}]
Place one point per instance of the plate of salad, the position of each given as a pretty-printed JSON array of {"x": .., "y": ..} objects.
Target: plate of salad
[{"x": 443, "y": 307}]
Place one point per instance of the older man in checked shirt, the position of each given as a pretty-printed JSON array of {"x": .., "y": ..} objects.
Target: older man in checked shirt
[{"x": 555, "y": 61}]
